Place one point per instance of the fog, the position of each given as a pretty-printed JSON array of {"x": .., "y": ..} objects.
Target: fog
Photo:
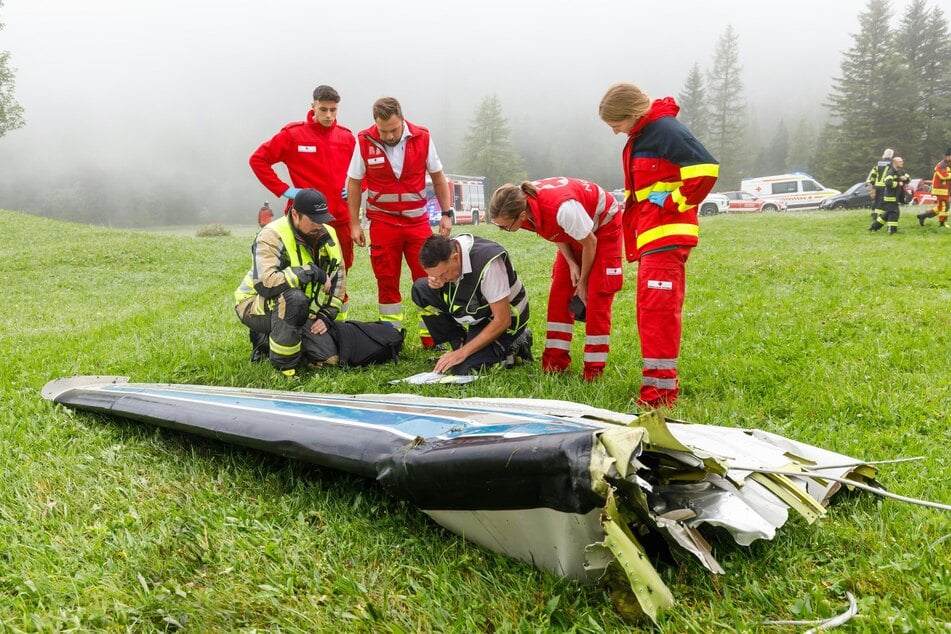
[{"x": 174, "y": 95}]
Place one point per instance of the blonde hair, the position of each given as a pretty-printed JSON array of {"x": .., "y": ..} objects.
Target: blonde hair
[
  {"x": 508, "y": 201},
  {"x": 623, "y": 101}
]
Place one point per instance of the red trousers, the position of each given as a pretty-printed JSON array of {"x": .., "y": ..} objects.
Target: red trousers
[
  {"x": 392, "y": 240},
  {"x": 604, "y": 282},
  {"x": 661, "y": 286}
]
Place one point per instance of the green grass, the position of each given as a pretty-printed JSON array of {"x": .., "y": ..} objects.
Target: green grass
[{"x": 801, "y": 324}]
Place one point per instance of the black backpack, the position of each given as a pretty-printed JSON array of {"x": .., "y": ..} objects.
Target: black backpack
[{"x": 366, "y": 342}]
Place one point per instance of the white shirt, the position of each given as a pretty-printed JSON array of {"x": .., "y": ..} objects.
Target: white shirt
[
  {"x": 573, "y": 218},
  {"x": 395, "y": 155},
  {"x": 495, "y": 284}
]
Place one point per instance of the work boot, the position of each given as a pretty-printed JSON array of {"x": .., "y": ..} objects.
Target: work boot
[
  {"x": 921, "y": 218},
  {"x": 522, "y": 347},
  {"x": 259, "y": 346},
  {"x": 892, "y": 230},
  {"x": 875, "y": 225}
]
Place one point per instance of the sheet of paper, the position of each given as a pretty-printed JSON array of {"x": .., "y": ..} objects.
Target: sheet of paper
[{"x": 436, "y": 377}]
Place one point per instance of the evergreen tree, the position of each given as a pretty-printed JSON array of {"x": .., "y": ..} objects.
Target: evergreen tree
[
  {"x": 923, "y": 38},
  {"x": 802, "y": 148},
  {"x": 487, "y": 149},
  {"x": 871, "y": 102},
  {"x": 693, "y": 105},
  {"x": 11, "y": 113},
  {"x": 727, "y": 107},
  {"x": 771, "y": 159}
]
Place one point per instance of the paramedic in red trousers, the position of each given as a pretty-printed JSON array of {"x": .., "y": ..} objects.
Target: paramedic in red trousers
[
  {"x": 667, "y": 173},
  {"x": 393, "y": 157},
  {"x": 296, "y": 281},
  {"x": 316, "y": 153},
  {"x": 583, "y": 221},
  {"x": 939, "y": 187}
]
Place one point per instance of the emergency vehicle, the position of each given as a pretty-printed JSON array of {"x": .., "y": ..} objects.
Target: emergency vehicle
[
  {"x": 799, "y": 191},
  {"x": 467, "y": 194}
]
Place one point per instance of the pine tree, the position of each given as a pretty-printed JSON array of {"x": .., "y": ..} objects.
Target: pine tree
[
  {"x": 693, "y": 105},
  {"x": 923, "y": 38},
  {"x": 871, "y": 102},
  {"x": 727, "y": 107},
  {"x": 11, "y": 113},
  {"x": 771, "y": 159},
  {"x": 802, "y": 147},
  {"x": 487, "y": 149}
]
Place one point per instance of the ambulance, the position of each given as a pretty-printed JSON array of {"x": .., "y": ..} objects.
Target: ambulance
[{"x": 799, "y": 191}]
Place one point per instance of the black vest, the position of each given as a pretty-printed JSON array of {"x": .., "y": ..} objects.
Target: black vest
[{"x": 465, "y": 297}]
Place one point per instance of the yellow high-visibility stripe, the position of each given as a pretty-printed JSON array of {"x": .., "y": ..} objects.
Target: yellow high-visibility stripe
[
  {"x": 283, "y": 350},
  {"x": 699, "y": 170},
  {"x": 677, "y": 229}
]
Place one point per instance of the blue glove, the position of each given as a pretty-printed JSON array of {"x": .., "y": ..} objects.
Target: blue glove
[
  {"x": 343, "y": 194},
  {"x": 658, "y": 198},
  {"x": 291, "y": 192}
]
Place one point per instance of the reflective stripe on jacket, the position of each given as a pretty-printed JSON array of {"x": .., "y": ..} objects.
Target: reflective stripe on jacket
[
  {"x": 662, "y": 156},
  {"x": 403, "y": 196},
  {"x": 279, "y": 253}
]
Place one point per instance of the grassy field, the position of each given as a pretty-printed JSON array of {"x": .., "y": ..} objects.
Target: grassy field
[{"x": 802, "y": 324}]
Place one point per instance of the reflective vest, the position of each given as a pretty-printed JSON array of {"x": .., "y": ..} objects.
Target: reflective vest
[
  {"x": 464, "y": 298},
  {"x": 403, "y": 196},
  {"x": 876, "y": 177},
  {"x": 329, "y": 257},
  {"x": 553, "y": 192}
]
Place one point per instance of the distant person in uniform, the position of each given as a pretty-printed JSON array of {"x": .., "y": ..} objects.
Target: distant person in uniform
[
  {"x": 265, "y": 215},
  {"x": 939, "y": 187},
  {"x": 875, "y": 183},
  {"x": 896, "y": 178}
]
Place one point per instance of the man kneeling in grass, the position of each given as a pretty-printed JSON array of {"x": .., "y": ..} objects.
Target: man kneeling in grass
[
  {"x": 474, "y": 301},
  {"x": 295, "y": 259}
]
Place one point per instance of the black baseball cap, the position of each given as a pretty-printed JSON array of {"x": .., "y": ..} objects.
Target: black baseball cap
[{"x": 312, "y": 204}]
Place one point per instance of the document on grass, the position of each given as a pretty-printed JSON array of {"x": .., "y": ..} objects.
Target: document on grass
[{"x": 435, "y": 377}]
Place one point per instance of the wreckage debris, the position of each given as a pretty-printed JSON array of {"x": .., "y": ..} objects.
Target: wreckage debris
[{"x": 566, "y": 487}]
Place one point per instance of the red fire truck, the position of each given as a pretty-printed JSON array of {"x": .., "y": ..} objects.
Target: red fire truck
[{"x": 467, "y": 194}]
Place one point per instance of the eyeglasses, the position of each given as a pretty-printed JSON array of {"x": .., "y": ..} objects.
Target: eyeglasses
[{"x": 509, "y": 227}]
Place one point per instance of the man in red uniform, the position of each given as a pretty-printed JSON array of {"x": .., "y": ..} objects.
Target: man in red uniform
[
  {"x": 583, "y": 220},
  {"x": 939, "y": 187},
  {"x": 393, "y": 157},
  {"x": 667, "y": 173},
  {"x": 316, "y": 153}
]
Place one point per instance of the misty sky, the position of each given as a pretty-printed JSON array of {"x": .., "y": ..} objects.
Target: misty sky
[{"x": 192, "y": 86}]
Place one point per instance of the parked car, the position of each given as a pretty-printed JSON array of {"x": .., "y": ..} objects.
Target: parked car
[
  {"x": 921, "y": 192},
  {"x": 713, "y": 204},
  {"x": 745, "y": 202},
  {"x": 855, "y": 197}
]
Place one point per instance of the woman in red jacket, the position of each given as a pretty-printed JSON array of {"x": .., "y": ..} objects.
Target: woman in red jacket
[
  {"x": 583, "y": 220},
  {"x": 667, "y": 173}
]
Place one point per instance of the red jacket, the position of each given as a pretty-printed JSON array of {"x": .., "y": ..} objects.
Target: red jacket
[
  {"x": 662, "y": 156},
  {"x": 386, "y": 194},
  {"x": 941, "y": 179},
  {"x": 315, "y": 156},
  {"x": 552, "y": 192}
]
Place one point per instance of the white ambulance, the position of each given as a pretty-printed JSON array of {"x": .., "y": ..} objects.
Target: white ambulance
[{"x": 800, "y": 191}]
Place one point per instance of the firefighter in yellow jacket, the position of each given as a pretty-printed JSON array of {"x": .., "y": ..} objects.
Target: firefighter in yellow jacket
[{"x": 297, "y": 280}]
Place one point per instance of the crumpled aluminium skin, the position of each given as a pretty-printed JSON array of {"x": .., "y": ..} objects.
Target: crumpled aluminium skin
[{"x": 564, "y": 486}]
